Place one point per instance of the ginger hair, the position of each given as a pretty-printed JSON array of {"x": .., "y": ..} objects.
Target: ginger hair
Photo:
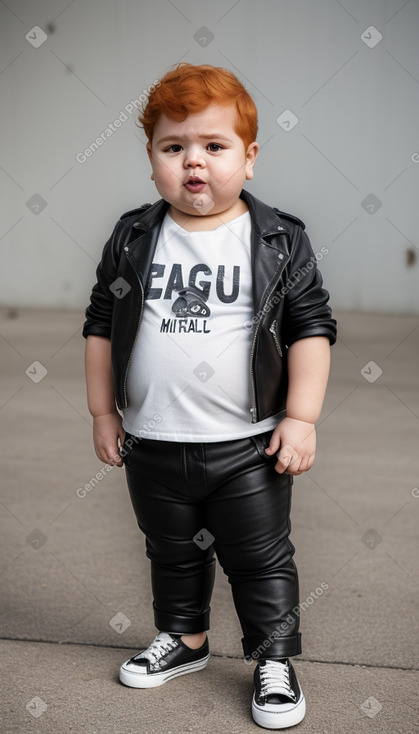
[{"x": 189, "y": 89}]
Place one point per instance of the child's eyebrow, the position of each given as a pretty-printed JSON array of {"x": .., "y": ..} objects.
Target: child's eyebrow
[{"x": 210, "y": 136}]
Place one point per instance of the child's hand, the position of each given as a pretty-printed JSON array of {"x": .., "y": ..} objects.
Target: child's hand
[
  {"x": 107, "y": 429},
  {"x": 296, "y": 441}
]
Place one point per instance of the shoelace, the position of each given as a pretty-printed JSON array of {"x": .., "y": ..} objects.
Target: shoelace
[
  {"x": 157, "y": 649},
  {"x": 275, "y": 679}
]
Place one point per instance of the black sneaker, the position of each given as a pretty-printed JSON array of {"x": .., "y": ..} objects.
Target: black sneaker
[
  {"x": 166, "y": 658},
  {"x": 278, "y": 700}
]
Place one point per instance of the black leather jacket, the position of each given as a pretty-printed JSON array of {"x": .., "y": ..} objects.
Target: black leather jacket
[{"x": 289, "y": 301}]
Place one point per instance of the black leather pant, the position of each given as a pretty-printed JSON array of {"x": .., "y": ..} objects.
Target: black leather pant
[{"x": 193, "y": 498}]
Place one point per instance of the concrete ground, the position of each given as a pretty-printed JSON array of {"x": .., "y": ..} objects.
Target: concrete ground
[{"x": 74, "y": 579}]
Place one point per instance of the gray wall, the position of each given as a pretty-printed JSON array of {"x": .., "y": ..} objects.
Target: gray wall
[{"x": 349, "y": 167}]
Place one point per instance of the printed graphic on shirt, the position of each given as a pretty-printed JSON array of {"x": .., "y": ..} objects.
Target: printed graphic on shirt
[{"x": 189, "y": 302}]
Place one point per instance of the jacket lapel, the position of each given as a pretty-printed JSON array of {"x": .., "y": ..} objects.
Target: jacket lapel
[
  {"x": 269, "y": 248},
  {"x": 140, "y": 251}
]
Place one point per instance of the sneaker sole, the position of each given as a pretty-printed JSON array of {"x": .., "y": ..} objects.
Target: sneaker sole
[
  {"x": 279, "y": 719},
  {"x": 152, "y": 680}
]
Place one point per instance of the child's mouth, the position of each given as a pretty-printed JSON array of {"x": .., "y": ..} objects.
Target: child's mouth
[{"x": 194, "y": 184}]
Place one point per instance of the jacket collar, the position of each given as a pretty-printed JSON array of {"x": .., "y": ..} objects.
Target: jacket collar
[
  {"x": 151, "y": 215},
  {"x": 264, "y": 219}
]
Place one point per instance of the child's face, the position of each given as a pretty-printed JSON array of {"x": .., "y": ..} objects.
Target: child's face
[{"x": 200, "y": 165}]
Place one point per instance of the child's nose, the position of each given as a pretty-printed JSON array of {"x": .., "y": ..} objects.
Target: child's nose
[{"x": 194, "y": 157}]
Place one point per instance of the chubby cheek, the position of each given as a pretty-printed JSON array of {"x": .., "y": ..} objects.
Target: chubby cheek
[
  {"x": 230, "y": 178},
  {"x": 162, "y": 168},
  {"x": 166, "y": 175}
]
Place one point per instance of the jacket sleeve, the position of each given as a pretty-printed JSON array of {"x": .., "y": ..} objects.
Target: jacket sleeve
[
  {"x": 99, "y": 311},
  {"x": 306, "y": 308}
]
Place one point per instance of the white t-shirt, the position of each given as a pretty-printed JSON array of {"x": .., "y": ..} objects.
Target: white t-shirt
[{"x": 189, "y": 374}]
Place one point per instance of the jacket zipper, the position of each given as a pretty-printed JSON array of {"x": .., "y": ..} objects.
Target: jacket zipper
[
  {"x": 136, "y": 336},
  {"x": 252, "y": 377},
  {"x": 272, "y": 329}
]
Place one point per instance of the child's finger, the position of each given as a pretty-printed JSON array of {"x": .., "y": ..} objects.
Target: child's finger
[
  {"x": 274, "y": 444},
  {"x": 286, "y": 457},
  {"x": 109, "y": 455},
  {"x": 115, "y": 457},
  {"x": 303, "y": 466}
]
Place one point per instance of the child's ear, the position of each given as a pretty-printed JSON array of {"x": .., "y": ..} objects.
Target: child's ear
[
  {"x": 251, "y": 155},
  {"x": 148, "y": 146}
]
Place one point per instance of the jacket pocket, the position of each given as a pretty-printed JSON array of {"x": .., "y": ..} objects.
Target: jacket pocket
[
  {"x": 273, "y": 331},
  {"x": 261, "y": 442}
]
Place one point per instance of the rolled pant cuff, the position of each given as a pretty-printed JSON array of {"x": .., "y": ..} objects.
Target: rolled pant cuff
[
  {"x": 255, "y": 648},
  {"x": 180, "y": 624}
]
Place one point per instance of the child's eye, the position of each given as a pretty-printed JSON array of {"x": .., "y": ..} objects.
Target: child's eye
[
  {"x": 214, "y": 147},
  {"x": 175, "y": 148}
]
